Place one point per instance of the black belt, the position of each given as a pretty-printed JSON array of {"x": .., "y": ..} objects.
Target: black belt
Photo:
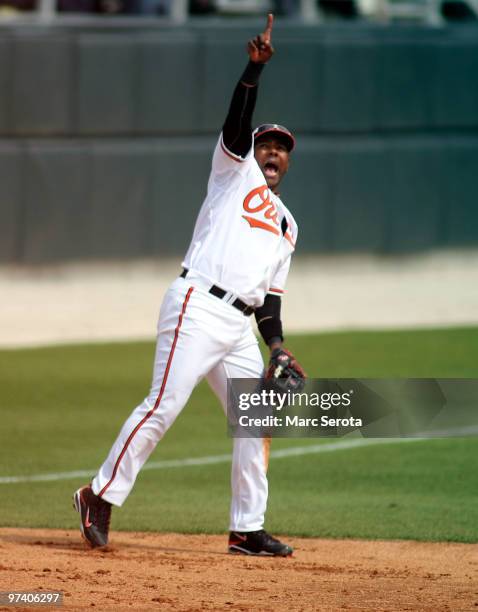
[{"x": 220, "y": 293}]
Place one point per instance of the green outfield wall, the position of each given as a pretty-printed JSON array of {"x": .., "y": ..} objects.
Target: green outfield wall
[{"x": 107, "y": 128}]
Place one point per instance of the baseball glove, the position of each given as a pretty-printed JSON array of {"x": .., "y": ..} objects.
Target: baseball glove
[{"x": 284, "y": 372}]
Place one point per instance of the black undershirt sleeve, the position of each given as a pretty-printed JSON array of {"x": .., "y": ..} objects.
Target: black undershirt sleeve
[
  {"x": 268, "y": 318},
  {"x": 237, "y": 129}
]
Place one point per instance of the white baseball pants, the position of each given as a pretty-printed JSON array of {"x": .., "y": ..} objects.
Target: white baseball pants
[{"x": 198, "y": 335}]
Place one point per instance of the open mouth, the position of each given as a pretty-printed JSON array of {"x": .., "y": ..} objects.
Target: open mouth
[{"x": 271, "y": 169}]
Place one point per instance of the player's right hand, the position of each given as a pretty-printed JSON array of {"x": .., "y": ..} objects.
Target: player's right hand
[{"x": 260, "y": 48}]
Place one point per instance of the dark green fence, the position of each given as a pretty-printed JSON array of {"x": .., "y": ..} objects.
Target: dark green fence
[{"x": 106, "y": 135}]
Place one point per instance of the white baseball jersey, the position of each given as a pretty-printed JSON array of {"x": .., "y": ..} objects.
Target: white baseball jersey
[{"x": 244, "y": 235}]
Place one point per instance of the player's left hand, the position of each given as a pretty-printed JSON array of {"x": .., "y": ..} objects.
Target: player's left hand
[
  {"x": 260, "y": 48},
  {"x": 284, "y": 372}
]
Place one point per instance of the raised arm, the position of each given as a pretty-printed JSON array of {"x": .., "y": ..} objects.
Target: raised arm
[{"x": 237, "y": 129}]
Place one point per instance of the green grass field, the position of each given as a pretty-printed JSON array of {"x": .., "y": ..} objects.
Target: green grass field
[{"x": 62, "y": 407}]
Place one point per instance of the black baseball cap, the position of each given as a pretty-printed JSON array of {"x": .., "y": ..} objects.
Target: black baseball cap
[{"x": 278, "y": 130}]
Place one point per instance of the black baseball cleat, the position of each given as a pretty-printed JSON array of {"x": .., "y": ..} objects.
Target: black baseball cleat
[
  {"x": 257, "y": 543},
  {"x": 95, "y": 515}
]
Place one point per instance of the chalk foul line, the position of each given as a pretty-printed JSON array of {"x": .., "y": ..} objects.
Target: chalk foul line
[{"x": 294, "y": 451}]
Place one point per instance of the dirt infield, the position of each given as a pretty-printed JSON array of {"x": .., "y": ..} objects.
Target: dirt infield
[{"x": 184, "y": 572}]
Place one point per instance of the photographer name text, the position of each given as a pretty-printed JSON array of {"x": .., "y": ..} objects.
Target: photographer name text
[{"x": 296, "y": 421}]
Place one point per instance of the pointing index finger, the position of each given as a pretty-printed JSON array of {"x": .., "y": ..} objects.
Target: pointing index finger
[{"x": 268, "y": 30}]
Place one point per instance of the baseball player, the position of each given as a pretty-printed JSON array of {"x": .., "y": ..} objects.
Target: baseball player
[{"x": 236, "y": 265}]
